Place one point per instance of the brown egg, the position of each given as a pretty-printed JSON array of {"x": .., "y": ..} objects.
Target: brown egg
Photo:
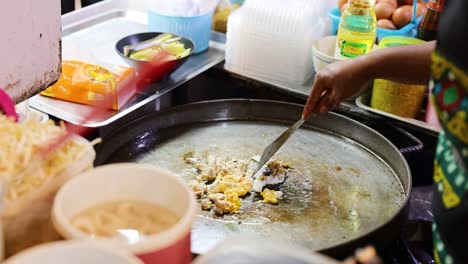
[
  {"x": 385, "y": 23},
  {"x": 402, "y": 16},
  {"x": 421, "y": 9},
  {"x": 341, "y": 3},
  {"x": 393, "y": 3},
  {"x": 383, "y": 10},
  {"x": 343, "y": 8}
]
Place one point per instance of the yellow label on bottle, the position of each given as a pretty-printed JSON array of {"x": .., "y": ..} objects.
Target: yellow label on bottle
[{"x": 352, "y": 49}]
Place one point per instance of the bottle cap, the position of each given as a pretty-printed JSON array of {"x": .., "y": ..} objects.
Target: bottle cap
[{"x": 363, "y": 3}]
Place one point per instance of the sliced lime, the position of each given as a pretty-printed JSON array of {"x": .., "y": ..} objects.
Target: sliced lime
[
  {"x": 174, "y": 48},
  {"x": 184, "y": 53},
  {"x": 146, "y": 54}
]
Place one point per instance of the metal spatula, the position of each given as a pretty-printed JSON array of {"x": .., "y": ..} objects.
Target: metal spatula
[{"x": 271, "y": 149}]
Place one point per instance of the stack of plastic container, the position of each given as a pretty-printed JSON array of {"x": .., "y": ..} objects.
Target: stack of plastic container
[{"x": 273, "y": 39}]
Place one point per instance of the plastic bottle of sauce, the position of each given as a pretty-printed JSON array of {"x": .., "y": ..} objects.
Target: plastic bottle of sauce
[
  {"x": 429, "y": 26},
  {"x": 357, "y": 29}
]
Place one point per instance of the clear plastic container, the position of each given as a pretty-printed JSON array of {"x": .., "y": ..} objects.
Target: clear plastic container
[
  {"x": 273, "y": 41},
  {"x": 26, "y": 220}
]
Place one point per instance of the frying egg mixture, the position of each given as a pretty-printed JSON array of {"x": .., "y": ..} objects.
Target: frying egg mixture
[{"x": 221, "y": 182}]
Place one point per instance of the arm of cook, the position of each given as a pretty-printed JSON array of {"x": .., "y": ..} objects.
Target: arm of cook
[{"x": 340, "y": 80}]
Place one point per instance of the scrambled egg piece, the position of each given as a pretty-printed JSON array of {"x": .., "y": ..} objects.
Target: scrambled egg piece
[
  {"x": 278, "y": 167},
  {"x": 270, "y": 196},
  {"x": 222, "y": 181},
  {"x": 199, "y": 188},
  {"x": 206, "y": 204},
  {"x": 240, "y": 185},
  {"x": 227, "y": 202}
]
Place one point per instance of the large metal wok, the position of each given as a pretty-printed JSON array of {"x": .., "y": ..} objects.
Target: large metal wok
[{"x": 351, "y": 185}]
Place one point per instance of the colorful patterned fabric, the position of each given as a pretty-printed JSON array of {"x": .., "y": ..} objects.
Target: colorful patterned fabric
[{"x": 450, "y": 205}]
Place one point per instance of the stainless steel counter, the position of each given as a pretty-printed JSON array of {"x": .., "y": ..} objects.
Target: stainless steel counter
[{"x": 90, "y": 36}]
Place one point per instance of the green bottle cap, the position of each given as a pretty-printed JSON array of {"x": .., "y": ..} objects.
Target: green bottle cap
[{"x": 395, "y": 41}]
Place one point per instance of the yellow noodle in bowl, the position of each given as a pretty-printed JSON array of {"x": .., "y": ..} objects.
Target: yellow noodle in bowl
[
  {"x": 131, "y": 220},
  {"x": 144, "y": 209},
  {"x": 30, "y": 181}
]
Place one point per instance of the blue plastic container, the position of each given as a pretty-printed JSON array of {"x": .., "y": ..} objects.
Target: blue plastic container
[
  {"x": 238, "y": 2},
  {"x": 335, "y": 16},
  {"x": 409, "y": 30},
  {"x": 196, "y": 28}
]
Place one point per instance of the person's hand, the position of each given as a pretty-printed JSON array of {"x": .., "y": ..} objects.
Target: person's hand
[
  {"x": 337, "y": 82},
  {"x": 409, "y": 64}
]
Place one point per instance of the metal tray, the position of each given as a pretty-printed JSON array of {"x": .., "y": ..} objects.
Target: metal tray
[
  {"x": 90, "y": 35},
  {"x": 295, "y": 89},
  {"x": 363, "y": 102},
  {"x": 25, "y": 112}
]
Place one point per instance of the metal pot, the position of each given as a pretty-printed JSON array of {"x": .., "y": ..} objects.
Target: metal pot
[{"x": 352, "y": 188}]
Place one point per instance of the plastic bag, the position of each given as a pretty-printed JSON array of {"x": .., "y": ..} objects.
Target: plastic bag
[
  {"x": 89, "y": 84},
  {"x": 27, "y": 220}
]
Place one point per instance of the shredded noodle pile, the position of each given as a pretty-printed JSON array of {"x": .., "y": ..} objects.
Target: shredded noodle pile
[{"x": 20, "y": 149}]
